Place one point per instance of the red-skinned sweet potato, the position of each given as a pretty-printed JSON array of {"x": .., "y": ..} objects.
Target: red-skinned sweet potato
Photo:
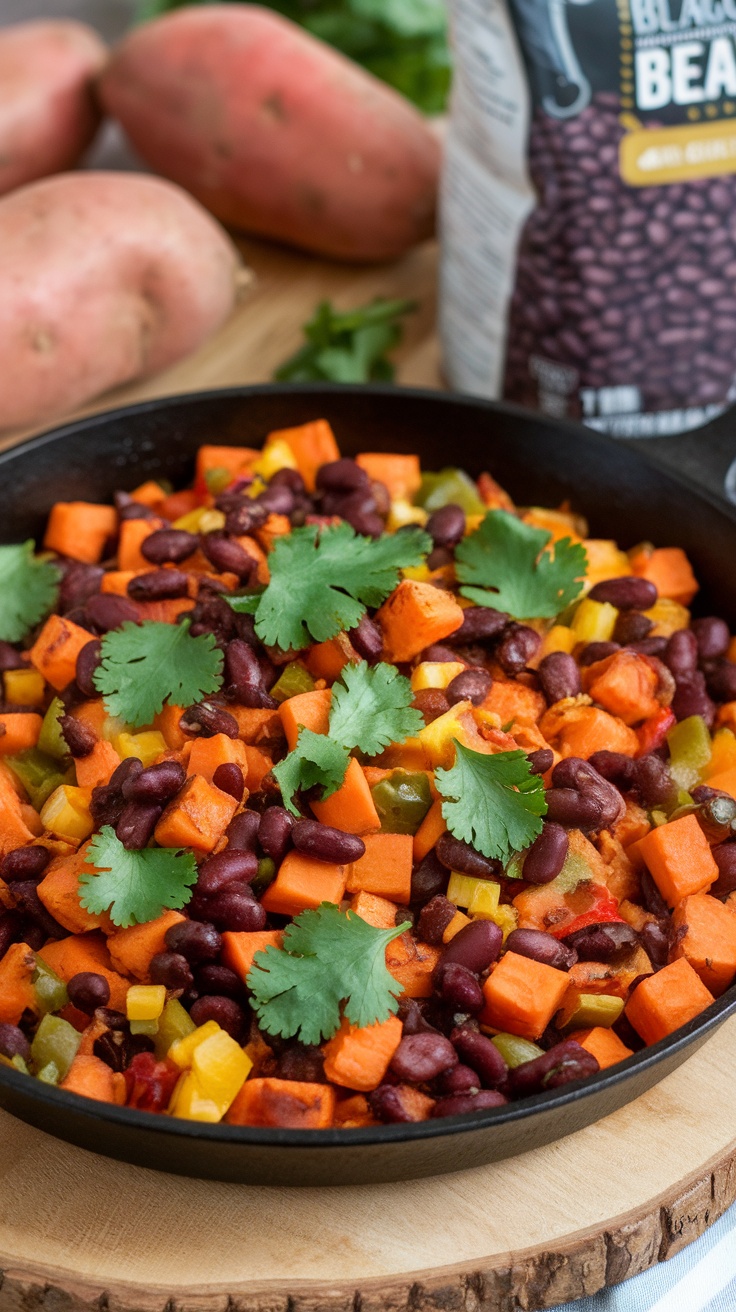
[
  {"x": 48, "y": 115},
  {"x": 275, "y": 132},
  {"x": 106, "y": 277}
]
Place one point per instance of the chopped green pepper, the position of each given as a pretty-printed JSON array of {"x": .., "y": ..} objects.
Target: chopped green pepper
[
  {"x": 450, "y": 486},
  {"x": 174, "y": 1024},
  {"x": 294, "y": 679},
  {"x": 690, "y": 751},
  {"x": 56, "y": 1041},
  {"x": 516, "y": 1051},
  {"x": 217, "y": 480},
  {"x": 594, "y": 1009},
  {"x": 39, "y": 774},
  {"x": 402, "y": 800},
  {"x": 50, "y": 991},
  {"x": 149, "y": 1027},
  {"x": 49, "y": 1074},
  {"x": 265, "y": 875},
  {"x": 51, "y": 740}
]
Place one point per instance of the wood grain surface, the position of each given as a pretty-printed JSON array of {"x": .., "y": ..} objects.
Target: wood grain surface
[
  {"x": 266, "y": 327},
  {"x": 79, "y": 1232}
]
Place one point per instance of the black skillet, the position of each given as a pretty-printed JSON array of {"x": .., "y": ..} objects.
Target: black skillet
[{"x": 625, "y": 496}]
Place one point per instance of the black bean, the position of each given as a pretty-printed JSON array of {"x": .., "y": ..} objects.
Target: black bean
[
  {"x": 228, "y": 556},
  {"x": 278, "y": 499},
  {"x": 626, "y": 593},
  {"x": 725, "y": 859},
  {"x": 274, "y": 832},
  {"x": 79, "y": 582},
  {"x": 158, "y": 585},
  {"x": 393, "y": 1104},
  {"x": 560, "y": 1065},
  {"x": 541, "y": 761},
  {"x": 574, "y": 772},
  {"x": 566, "y": 806},
  {"x": 601, "y": 942},
  {"x": 517, "y": 647},
  {"x": 236, "y": 910},
  {"x": 542, "y": 947},
  {"x": 457, "y": 1104},
  {"x": 226, "y": 1013},
  {"x": 156, "y": 783},
  {"x": 429, "y": 879},
  {"x": 432, "y": 702},
  {"x": 12, "y": 930},
  {"x": 476, "y": 946},
  {"x": 655, "y": 943},
  {"x": 27, "y": 900},
  {"x": 649, "y": 646},
  {"x": 218, "y": 979},
  {"x": 559, "y": 677},
  {"x": 325, "y": 843},
  {"x": 24, "y": 863},
  {"x": 228, "y": 777},
  {"x": 434, "y": 918},
  {"x": 691, "y": 698},
  {"x": 460, "y": 989},
  {"x": 13, "y": 1042},
  {"x": 546, "y": 856},
  {"x": 172, "y": 970},
  {"x": 681, "y": 653},
  {"x": 227, "y": 867},
  {"x": 422, "y": 1057},
  {"x": 87, "y": 991},
  {"x": 597, "y": 651},
  {"x": 631, "y": 626},
  {"x": 461, "y": 1079},
  {"x": 208, "y": 719},
  {"x": 10, "y": 659},
  {"x": 290, "y": 478},
  {"x": 722, "y": 681},
  {"x": 342, "y": 475},
  {"x": 615, "y": 767},
  {"x": 367, "y": 639},
  {"x": 446, "y": 526},
  {"x": 196, "y": 941},
  {"x": 87, "y": 662},
  {"x": 457, "y": 855},
  {"x": 653, "y": 781},
  {"x": 480, "y": 624},
  {"x": 107, "y": 611},
  {"x": 477, "y": 1051},
  {"x": 472, "y": 685},
  {"x": 242, "y": 831},
  {"x": 244, "y": 676},
  {"x": 245, "y": 516},
  {"x": 712, "y": 636},
  {"x": 651, "y": 898},
  {"x": 169, "y": 546},
  {"x": 137, "y": 823}
]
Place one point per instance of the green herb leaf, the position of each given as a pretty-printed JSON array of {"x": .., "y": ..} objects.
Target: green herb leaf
[
  {"x": 28, "y": 590},
  {"x": 508, "y": 556},
  {"x": 145, "y": 665},
  {"x": 322, "y": 579},
  {"x": 328, "y": 958},
  {"x": 316, "y": 759},
  {"x": 348, "y": 347},
  {"x": 492, "y": 802},
  {"x": 135, "y": 887},
  {"x": 371, "y": 707}
]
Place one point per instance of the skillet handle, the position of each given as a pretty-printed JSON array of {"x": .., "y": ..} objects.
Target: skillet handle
[{"x": 705, "y": 456}]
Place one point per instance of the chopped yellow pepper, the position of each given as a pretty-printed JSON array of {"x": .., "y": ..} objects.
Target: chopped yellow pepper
[
  {"x": 276, "y": 455},
  {"x": 24, "y": 687},
  {"x": 145, "y": 1001},
  {"x": 201, "y": 520},
  {"x": 484, "y": 903},
  {"x": 435, "y": 674},
  {"x": 66, "y": 812},
  {"x": 182, "y": 1051},
  {"x": 147, "y": 746},
  {"x": 594, "y": 621}
]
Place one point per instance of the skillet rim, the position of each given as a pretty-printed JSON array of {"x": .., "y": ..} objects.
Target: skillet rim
[{"x": 341, "y": 1139}]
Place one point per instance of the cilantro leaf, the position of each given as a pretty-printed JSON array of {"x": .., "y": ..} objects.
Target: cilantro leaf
[
  {"x": 509, "y": 557},
  {"x": 372, "y": 707},
  {"x": 348, "y": 347},
  {"x": 316, "y": 759},
  {"x": 492, "y": 802},
  {"x": 328, "y": 958},
  {"x": 322, "y": 579},
  {"x": 145, "y": 665},
  {"x": 135, "y": 886},
  {"x": 28, "y": 590}
]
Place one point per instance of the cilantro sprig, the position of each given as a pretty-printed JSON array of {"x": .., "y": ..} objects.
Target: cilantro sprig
[
  {"x": 370, "y": 708},
  {"x": 143, "y": 666},
  {"x": 29, "y": 588},
  {"x": 505, "y": 564},
  {"x": 134, "y": 887},
  {"x": 330, "y": 963},
  {"x": 349, "y": 346},
  {"x": 322, "y": 579},
  {"x": 494, "y": 803}
]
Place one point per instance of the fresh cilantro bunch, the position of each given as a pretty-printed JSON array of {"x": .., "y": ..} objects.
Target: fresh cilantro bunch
[
  {"x": 370, "y": 708},
  {"x": 135, "y": 887},
  {"x": 146, "y": 665},
  {"x": 347, "y": 347},
  {"x": 505, "y": 564},
  {"x": 322, "y": 579},
  {"x": 329, "y": 958},
  {"x": 494, "y": 803},
  {"x": 29, "y": 588},
  {"x": 404, "y": 42}
]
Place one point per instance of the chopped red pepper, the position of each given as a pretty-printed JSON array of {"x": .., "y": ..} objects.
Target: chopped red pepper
[
  {"x": 652, "y": 732},
  {"x": 603, "y": 909}
]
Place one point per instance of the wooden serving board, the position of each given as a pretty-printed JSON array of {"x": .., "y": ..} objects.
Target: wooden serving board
[{"x": 79, "y": 1232}]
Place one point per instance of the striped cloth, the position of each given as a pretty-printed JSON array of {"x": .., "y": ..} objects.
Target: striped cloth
[{"x": 702, "y": 1278}]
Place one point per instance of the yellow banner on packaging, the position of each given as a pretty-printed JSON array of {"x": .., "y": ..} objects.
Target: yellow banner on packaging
[{"x": 690, "y": 150}]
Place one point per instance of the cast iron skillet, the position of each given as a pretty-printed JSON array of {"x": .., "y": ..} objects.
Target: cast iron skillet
[{"x": 625, "y": 496}]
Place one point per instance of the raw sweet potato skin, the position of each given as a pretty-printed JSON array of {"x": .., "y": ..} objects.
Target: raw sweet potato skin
[
  {"x": 48, "y": 115},
  {"x": 275, "y": 132},
  {"x": 106, "y": 277}
]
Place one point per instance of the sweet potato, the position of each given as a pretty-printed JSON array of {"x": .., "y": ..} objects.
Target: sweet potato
[
  {"x": 276, "y": 133},
  {"x": 47, "y": 114},
  {"x": 107, "y": 277}
]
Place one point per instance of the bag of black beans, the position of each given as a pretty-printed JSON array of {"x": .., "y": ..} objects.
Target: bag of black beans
[{"x": 589, "y": 209}]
